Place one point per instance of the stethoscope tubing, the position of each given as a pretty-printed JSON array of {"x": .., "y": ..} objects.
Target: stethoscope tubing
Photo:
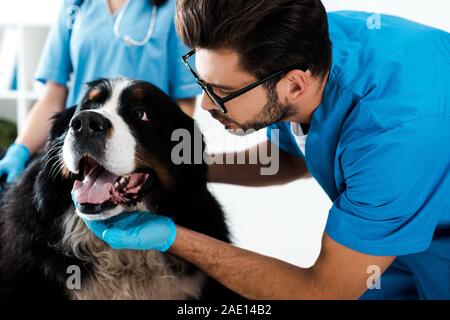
[{"x": 127, "y": 39}]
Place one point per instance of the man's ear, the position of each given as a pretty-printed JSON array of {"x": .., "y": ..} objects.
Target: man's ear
[
  {"x": 297, "y": 83},
  {"x": 60, "y": 122}
]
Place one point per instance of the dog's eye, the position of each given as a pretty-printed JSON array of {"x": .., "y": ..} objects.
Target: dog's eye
[{"x": 141, "y": 114}]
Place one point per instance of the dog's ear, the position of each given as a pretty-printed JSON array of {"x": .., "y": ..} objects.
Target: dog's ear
[{"x": 61, "y": 122}]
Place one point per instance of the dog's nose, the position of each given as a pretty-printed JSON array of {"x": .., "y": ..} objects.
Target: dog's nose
[{"x": 90, "y": 123}]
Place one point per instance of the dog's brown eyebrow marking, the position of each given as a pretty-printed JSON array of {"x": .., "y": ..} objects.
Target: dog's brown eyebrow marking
[
  {"x": 94, "y": 93},
  {"x": 139, "y": 93}
]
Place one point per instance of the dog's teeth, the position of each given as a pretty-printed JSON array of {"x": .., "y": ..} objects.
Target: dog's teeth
[
  {"x": 120, "y": 184},
  {"x": 124, "y": 181}
]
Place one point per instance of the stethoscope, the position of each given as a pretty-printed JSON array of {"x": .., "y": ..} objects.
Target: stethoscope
[{"x": 127, "y": 39}]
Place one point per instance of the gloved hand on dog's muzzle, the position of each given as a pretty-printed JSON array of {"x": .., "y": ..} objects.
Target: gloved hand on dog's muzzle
[
  {"x": 136, "y": 231},
  {"x": 13, "y": 163}
]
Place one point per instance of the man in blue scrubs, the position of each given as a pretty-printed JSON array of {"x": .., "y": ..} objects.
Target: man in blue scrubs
[{"x": 364, "y": 110}]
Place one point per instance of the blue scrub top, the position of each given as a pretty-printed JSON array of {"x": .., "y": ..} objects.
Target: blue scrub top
[
  {"x": 379, "y": 145},
  {"x": 93, "y": 51}
]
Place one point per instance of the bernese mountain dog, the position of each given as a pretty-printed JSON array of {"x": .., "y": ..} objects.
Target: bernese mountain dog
[{"x": 111, "y": 154}]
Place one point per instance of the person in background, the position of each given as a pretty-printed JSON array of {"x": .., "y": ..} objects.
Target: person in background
[{"x": 102, "y": 39}]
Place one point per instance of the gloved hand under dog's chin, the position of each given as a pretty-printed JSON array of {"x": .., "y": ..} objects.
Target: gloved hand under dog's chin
[{"x": 135, "y": 231}]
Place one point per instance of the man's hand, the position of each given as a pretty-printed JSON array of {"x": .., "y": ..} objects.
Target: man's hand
[{"x": 135, "y": 231}]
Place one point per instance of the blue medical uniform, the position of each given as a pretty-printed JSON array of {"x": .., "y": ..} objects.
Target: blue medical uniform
[
  {"x": 379, "y": 145},
  {"x": 93, "y": 51}
]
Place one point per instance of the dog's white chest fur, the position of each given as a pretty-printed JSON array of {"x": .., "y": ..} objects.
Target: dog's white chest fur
[{"x": 125, "y": 274}]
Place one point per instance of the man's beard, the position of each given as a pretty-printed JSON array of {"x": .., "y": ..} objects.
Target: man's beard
[{"x": 273, "y": 111}]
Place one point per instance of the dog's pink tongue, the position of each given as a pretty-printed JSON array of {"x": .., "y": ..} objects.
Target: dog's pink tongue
[{"x": 95, "y": 187}]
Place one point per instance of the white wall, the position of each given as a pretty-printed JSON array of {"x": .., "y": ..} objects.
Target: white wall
[
  {"x": 287, "y": 222},
  {"x": 29, "y": 12}
]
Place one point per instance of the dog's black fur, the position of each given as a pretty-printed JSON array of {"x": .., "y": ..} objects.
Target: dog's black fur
[{"x": 33, "y": 267}]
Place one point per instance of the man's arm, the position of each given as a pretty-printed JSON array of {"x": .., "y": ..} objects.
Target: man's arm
[
  {"x": 290, "y": 168},
  {"x": 339, "y": 272}
]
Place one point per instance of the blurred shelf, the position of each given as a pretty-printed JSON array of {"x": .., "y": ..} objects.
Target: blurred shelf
[
  {"x": 32, "y": 34},
  {"x": 11, "y": 95},
  {"x": 8, "y": 94}
]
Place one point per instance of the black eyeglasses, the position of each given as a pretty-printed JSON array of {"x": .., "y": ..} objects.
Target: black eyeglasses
[{"x": 220, "y": 102}]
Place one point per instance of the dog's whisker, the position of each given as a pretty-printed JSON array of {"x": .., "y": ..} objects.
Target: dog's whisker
[
  {"x": 52, "y": 158},
  {"x": 58, "y": 166},
  {"x": 51, "y": 154}
]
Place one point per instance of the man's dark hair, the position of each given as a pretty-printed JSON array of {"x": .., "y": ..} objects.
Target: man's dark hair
[{"x": 268, "y": 35}]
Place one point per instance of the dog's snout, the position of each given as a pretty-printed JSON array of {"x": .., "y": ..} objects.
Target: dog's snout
[{"x": 90, "y": 123}]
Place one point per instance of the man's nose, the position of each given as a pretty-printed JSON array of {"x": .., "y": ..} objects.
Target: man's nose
[
  {"x": 90, "y": 124},
  {"x": 206, "y": 103}
]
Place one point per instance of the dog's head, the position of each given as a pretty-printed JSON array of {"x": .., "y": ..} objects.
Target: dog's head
[{"x": 117, "y": 146}]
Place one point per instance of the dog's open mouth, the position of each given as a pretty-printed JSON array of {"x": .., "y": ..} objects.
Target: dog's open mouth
[{"x": 101, "y": 190}]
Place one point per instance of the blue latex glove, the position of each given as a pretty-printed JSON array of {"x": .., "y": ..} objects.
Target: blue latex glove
[
  {"x": 14, "y": 161},
  {"x": 136, "y": 231}
]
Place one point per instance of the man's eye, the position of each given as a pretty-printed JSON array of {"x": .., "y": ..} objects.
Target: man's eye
[
  {"x": 225, "y": 93},
  {"x": 141, "y": 114}
]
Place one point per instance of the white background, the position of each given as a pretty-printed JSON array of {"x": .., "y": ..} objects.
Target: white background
[{"x": 285, "y": 222}]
